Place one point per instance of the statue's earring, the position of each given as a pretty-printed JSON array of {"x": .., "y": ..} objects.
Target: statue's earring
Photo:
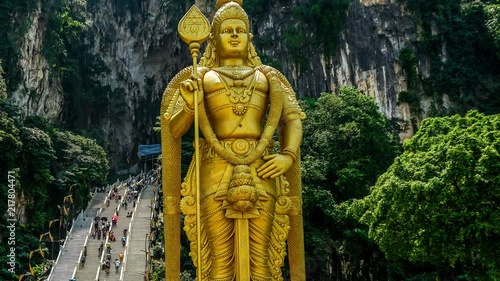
[
  {"x": 250, "y": 35},
  {"x": 211, "y": 38}
]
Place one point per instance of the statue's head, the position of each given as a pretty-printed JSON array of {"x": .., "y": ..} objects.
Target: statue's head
[
  {"x": 229, "y": 9},
  {"x": 230, "y": 20}
]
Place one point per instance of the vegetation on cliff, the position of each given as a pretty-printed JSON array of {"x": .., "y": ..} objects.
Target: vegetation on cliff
[
  {"x": 53, "y": 168},
  {"x": 314, "y": 27},
  {"x": 14, "y": 23},
  {"x": 462, "y": 39}
]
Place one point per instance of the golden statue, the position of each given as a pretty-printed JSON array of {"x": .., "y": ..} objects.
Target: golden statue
[{"x": 249, "y": 194}]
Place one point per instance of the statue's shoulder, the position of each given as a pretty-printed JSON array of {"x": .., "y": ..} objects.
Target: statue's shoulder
[
  {"x": 180, "y": 76},
  {"x": 186, "y": 72},
  {"x": 290, "y": 100},
  {"x": 266, "y": 69},
  {"x": 170, "y": 98},
  {"x": 274, "y": 73},
  {"x": 211, "y": 81},
  {"x": 210, "y": 74}
]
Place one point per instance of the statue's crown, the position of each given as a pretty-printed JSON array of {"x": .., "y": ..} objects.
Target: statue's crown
[
  {"x": 222, "y": 2},
  {"x": 229, "y": 9}
]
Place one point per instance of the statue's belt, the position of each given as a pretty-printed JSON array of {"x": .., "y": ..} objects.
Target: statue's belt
[{"x": 239, "y": 147}]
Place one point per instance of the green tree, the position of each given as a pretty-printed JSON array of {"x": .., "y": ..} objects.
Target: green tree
[
  {"x": 35, "y": 177},
  {"x": 47, "y": 162},
  {"x": 81, "y": 163},
  {"x": 347, "y": 145},
  {"x": 10, "y": 145},
  {"x": 440, "y": 200}
]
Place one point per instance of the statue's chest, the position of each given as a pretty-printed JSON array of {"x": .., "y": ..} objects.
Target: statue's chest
[{"x": 236, "y": 96}]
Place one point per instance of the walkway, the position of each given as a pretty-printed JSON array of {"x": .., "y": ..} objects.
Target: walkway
[
  {"x": 135, "y": 251},
  {"x": 91, "y": 270},
  {"x": 69, "y": 256},
  {"x": 135, "y": 259}
]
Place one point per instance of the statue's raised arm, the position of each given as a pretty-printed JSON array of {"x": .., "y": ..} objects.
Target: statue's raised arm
[{"x": 250, "y": 194}]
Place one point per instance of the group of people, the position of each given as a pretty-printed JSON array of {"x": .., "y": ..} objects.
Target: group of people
[
  {"x": 106, "y": 264},
  {"x": 100, "y": 189},
  {"x": 103, "y": 227},
  {"x": 100, "y": 229},
  {"x": 136, "y": 184}
]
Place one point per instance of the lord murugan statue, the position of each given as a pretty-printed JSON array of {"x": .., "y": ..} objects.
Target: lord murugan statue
[{"x": 242, "y": 200}]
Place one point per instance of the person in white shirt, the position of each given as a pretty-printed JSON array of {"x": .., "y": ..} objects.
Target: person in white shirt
[{"x": 117, "y": 265}]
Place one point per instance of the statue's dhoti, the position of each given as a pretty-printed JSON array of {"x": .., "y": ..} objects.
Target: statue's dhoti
[{"x": 239, "y": 207}]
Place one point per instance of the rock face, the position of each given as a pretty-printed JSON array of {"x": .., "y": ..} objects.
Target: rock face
[
  {"x": 372, "y": 38},
  {"x": 40, "y": 92},
  {"x": 138, "y": 42},
  {"x": 373, "y": 34}
]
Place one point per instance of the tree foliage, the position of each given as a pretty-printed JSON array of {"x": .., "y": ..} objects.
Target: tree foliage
[
  {"x": 346, "y": 146},
  {"x": 81, "y": 163},
  {"x": 9, "y": 139},
  {"x": 36, "y": 156},
  {"x": 439, "y": 201},
  {"x": 77, "y": 162}
]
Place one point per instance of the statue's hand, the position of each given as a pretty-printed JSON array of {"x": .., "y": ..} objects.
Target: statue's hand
[
  {"x": 188, "y": 88},
  {"x": 276, "y": 165}
]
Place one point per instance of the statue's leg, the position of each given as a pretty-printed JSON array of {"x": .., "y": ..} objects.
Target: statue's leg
[
  {"x": 260, "y": 241},
  {"x": 219, "y": 229},
  {"x": 220, "y": 232}
]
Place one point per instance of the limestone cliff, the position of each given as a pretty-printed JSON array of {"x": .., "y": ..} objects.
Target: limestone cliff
[
  {"x": 373, "y": 34},
  {"x": 138, "y": 42},
  {"x": 40, "y": 92}
]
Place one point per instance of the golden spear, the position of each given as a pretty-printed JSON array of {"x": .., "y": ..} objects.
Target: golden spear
[{"x": 194, "y": 29}]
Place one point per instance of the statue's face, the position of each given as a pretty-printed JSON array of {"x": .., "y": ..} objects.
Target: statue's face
[{"x": 232, "y": 40}]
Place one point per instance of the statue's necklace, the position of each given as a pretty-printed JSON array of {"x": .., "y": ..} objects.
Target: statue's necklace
[
  {"x": 235, "y": 72},
  {"x": 237, "y": 94}
]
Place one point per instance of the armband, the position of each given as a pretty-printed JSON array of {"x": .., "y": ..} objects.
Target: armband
[
  {"x": 188, "y": 110},
  {"x": 291, "y": 153}
]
